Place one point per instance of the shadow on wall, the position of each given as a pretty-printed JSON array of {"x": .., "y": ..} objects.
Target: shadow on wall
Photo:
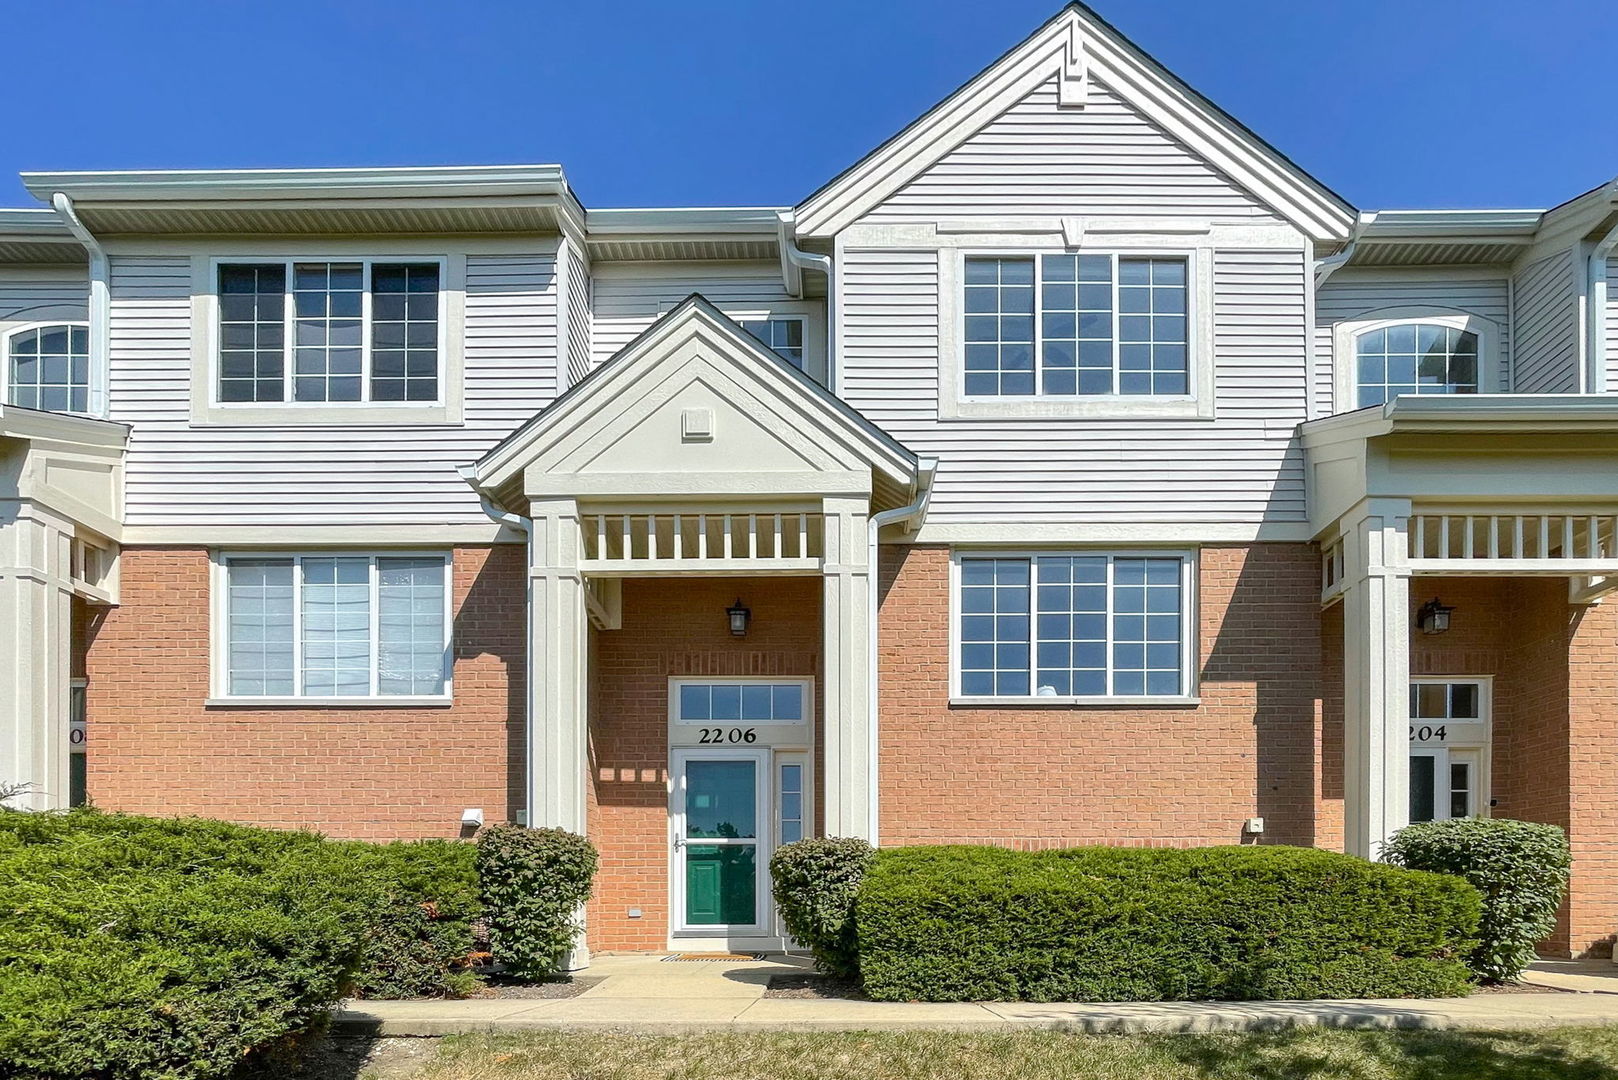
[{"x": 490, "y": 620}]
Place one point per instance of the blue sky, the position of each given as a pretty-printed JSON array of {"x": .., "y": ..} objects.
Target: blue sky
[{"x": 1393, "y": 103}]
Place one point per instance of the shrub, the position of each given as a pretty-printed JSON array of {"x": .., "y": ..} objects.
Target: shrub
[
  {"x": 1519, "y": 867},
  {"x": 533, "y": 883},
  {"x": 816, "y": 882},
  {"x": 419, "y": 935},
  {"x": 1119, "y": 924}
]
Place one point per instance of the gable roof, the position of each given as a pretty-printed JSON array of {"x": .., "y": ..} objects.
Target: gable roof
[
  {"x": 775, "y": 386},
  {"x": 1071, "y": 45}
]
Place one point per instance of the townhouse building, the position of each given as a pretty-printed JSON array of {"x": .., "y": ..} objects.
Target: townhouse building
[{"x": 1074, "y": 468}]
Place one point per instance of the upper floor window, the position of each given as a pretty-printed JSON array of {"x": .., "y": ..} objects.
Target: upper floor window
[
  {"x": 783, "y": 336},
  {"x": 1414, "y": 358},
  {"x": 48, "y": 367},
  {"x": 1073, "y": 625},
  {"x": 357, "y": 330},
  {"x": 1087, "y": 325}
]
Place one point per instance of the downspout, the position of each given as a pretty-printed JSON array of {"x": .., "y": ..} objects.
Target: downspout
[
  {"x": 795, "y": 260},
  {"x": 100, "y": 303},
  {"x": 1594, "y": 379},
  {"x": 914, "y": 511},
  {"x": 1325, "y": 268}
]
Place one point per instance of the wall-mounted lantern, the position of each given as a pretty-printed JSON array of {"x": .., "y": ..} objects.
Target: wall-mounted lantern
[
  {"x": 738, "y": 614},
  {"x": 1433, "y": 618}
]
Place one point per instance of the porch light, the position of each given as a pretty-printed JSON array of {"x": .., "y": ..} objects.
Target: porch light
[
  {"x": 738, "y": 614},
  {"x": 1433, "y": 618}
]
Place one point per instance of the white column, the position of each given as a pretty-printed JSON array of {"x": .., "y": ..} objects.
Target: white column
[
  {"x": 1376, "y": 675},
  {"x": 36, "y": 630},
  {"x": 849, "y": 773},
  {"x": 558, "y": 705}
]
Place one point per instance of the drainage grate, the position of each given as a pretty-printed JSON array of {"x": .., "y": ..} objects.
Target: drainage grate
[{"x": 733, "y": 957}]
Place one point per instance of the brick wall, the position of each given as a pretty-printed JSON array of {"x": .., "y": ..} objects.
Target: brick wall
[
  {"x": 1060, "y": 775},
  {"x": 375, "y": 773},
  {"x": 672, "y": 627}
]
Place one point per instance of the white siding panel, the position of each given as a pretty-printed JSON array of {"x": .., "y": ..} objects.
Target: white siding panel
[
  {"x": 1348, "y": 297},
  {"x": 31, "y": 294},
  {"x": 578, "y": 316},
  {"x": 1546, "y": 321},
  {"x": 628, "y": 297},
  {"x": 1611, "y": 315},
  {"x": 1105, "y": 159},
  {"x": 216, "y": 475},
  {"x": 1245, "y": 466}
]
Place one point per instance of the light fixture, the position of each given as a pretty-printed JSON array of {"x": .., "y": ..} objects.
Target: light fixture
[
  {"x": 739, "y": 614},
  {"x": 1433, "y": 618}
]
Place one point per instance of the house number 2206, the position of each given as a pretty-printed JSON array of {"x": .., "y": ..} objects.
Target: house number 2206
[{"x": 708, "y": 736}]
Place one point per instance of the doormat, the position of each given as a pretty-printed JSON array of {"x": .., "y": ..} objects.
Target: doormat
[{"x": 733, "y": 957}]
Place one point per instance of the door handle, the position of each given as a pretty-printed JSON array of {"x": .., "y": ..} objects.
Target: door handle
[{"x": 679, "y": 842}]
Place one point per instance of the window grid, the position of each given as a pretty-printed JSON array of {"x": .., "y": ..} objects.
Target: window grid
[
  {"x": 741, "y": 702},
  {"x": 329, "y": 317},
  {"x": 252, "y": 332},
  {"x": 783, "y": 336},
  {"x": 1152, "y": 326},
  {"x": 1103, "y": 626},
  {"x": 410, "y": 625},
  {"x": 790, "y": 801},
  {"x": 1000, "y": 335},
  {"x": 50, "y": 368},
  {"x": 404, "y": 333},
  {"x": 1414, "y": 358}
]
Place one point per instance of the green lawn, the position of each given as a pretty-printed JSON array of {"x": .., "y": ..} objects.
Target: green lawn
[{"x": 1557, "y": 1054}]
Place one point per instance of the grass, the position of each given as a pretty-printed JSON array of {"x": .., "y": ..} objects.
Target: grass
[{"x": 1587, "y": 1053}]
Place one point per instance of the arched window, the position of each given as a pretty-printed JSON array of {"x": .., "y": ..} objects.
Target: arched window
[
  {"x": 1414, "y": 357},
  {"x": 48, "y": 367}
]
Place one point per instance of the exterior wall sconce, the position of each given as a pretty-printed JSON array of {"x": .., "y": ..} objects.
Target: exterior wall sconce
[
  {"x": 1433, "y": 618},
  {"x": 739, "y": 615}
]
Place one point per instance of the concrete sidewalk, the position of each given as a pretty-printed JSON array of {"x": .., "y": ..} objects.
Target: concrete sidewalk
[{"x": 651, "y": 995}]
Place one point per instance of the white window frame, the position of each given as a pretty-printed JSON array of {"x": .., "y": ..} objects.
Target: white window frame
[
  {"x": 219, "y": 692},
  {"x": 11, "y": 332},
  {"x": 801, "y": 319},
  {"x": 1346, "y": 335},
  {"x": 1480, "y": 752},
  {"x": 764, "y": 909},
  {"x": 1189, "y": 620},
  {"x": 1196, "y": 404}
]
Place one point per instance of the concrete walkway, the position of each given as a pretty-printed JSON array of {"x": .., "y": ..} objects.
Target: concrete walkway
[
  {"x": 1579, "y": 976},
  {"x": 652, "y": 995}
]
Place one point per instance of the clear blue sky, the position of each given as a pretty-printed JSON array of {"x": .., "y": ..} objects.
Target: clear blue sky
[{"x": 1393, "y": 103}]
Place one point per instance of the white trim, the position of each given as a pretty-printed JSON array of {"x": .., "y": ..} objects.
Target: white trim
[
  {"x": 1190, "y": 618},
  {"x": 811, "y": 313},
  {"x": 370, "y": 537},
  {"x": 1178, "y": 533},
  {"x": 1345, "y": 377},
  {"x": 219, "y": 644},
  {"x": 764, "y": 785},
  {"x": 1481, "y": 750},
  {"x": 11, "y": 331},
  {"x": 804, "y": 683},
  {"x": 1196, "y": 404}
]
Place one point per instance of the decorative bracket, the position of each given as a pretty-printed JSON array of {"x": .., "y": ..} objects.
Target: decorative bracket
[
  {"x": 1073, "y": 232},
  {"x": 1073, "y": 84}
]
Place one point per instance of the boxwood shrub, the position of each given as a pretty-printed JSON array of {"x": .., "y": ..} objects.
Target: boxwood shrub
[
  {"x": 533, "y": 883},
  {"x": 815, "y": 883},
  {"x": 1118, "y": 924},
  {"x": 1519, "y": 867}
]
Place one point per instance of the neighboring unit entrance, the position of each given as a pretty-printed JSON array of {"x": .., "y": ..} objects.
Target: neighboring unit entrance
[
  {"x": 738, "y": 788},
  {"x": 1449, "y": 748}
]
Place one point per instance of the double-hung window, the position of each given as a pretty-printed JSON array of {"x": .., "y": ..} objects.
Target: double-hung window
[
  {"x": 1073, "y": 626},
  {"x": 784, "y": 337},
  {"x": 1076, "y": 325},
  {"x": 335, "y": 626},
  {"x": 303, "y": 331}
]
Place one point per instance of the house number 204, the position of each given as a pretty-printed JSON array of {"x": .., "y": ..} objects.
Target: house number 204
[
  {"x": 1428, "y": 733},
  {"x": 708, "y": 736}
]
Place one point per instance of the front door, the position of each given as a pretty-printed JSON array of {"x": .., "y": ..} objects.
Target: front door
[
  {"x": 1449, "y": 748},
  {"x": 721, "y": 803}
]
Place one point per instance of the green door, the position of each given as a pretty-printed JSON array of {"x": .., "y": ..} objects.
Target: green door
[{"x": 719, "y": 842}]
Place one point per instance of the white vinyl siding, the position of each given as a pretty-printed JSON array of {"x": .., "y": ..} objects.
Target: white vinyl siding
[
  {"x": 579, "y": 284},
  {"x": 629, "y": 297},
  {"x": 1351, "y": 296},
  {"x": 36, "y": 294},
  {"x": 1104, "y": 159},
  {"x": 1545, "y": 316},
  {"x": 1611, "y": 314},
  {"x": 180, "y": 474},
  {"x": 1242, "y": 466}
]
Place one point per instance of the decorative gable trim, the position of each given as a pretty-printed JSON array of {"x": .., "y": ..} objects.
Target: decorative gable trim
[{"x": 1072, "y": 47}]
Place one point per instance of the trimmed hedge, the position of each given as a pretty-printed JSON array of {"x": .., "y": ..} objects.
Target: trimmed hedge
[
  {"x": 533, "y": 883},
  {"x": 1519, "y": 867},
  {"x": 1121, "y": 924},
  {"x": 419, "y": 935},
  {"x": 815, "y": 884},
  {"x": 136, "y": 947}
]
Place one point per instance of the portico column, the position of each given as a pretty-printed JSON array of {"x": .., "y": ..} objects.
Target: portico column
[
  {"x": 36, "y": 639},
  {"x": 849, "y": 772},
  {"x": 558, "y": 735},
  {"x": 1376, "y": 673}
]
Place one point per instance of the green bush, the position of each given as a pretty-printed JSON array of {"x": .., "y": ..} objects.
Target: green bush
[
  {"x": 420, "y": 933},
  {"x": 533, "y": 883},
  {"x": 1122, "y": 924},
  {"x": 816, "y": 882},
  {"x": 1520, "y": 868}
]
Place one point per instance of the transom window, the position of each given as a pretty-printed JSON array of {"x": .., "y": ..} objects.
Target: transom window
[
  {"x": 1073, "y": 626},
  {"x": 351, "y": 331},
  {"x": 336, "y": 626},
  {"x": 1103, "y": 324},
  {"x": 746, "y": 702},
  {"x": 48, "y": 367},
  {"x": 1414, "y": 358},
  {"x": 783, "y": 336}
]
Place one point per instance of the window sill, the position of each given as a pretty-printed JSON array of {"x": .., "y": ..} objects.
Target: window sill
[
  {"x": 1080, "y": 408},
  {"x": 1176, "y": 701},
  {"x": 359, "y": 414},
  {"x": 400, "y": 701}
]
